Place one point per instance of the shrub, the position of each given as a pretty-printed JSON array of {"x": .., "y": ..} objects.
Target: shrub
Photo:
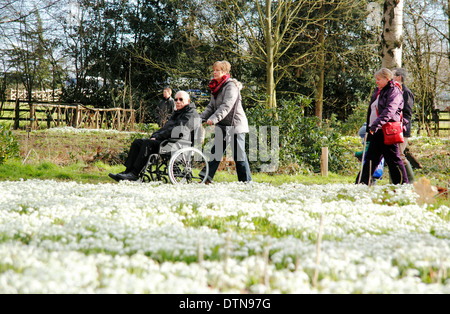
[
  {"x": 9, "y": 147},
  {"x": 301, "y": 138},
  {"x": 355, "y": 120}
]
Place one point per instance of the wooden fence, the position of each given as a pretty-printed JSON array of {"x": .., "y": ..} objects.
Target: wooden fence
[
  {"x": 441, "y": 122},
  {"x": 43, "y": 114}
]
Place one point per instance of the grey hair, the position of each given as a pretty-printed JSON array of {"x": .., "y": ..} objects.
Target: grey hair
[{"x": 400, "y": 72}]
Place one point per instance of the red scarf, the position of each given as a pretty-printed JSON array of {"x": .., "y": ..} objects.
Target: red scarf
[
  {"x": 398, "y": 85},
  {"x": 215, "y": 86}
]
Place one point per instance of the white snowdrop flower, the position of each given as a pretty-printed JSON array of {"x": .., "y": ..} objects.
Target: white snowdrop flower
[{"x": 112, "y": 235}]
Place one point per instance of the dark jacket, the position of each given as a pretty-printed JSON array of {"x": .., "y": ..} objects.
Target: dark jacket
[
  {"x": 408, "y": 99},
  {"x": 186, "y": 117},
  {"x": 164, "y": 110},
  {"x": 390, "y": 105}
]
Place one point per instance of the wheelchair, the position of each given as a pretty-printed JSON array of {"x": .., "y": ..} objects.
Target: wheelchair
[{"x": 178, "y": 162}]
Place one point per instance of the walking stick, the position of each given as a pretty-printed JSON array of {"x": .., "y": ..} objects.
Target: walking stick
[{"x": 363, "y": 157}]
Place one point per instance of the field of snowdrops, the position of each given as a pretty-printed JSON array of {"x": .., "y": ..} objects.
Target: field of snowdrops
[{"x": 68, "y": 237}]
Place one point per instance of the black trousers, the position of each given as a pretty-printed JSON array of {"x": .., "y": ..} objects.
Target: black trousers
[
  {"x": 376, "y": 151},
  {"x": 240, "y": 157},
  {"x": 140, "y": 151}
]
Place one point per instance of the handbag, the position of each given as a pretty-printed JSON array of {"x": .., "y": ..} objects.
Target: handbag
[{"x": 393, "y": 132}]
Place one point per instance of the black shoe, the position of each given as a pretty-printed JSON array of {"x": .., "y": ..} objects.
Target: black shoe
[
  {"x": 130, "y": 176},
  {"x": 114, "y": 177}
]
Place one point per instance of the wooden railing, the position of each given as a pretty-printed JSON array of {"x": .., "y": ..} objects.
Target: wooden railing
[
  {"x": 80, "y": 116},
  {"x": 44, "y": 114}
]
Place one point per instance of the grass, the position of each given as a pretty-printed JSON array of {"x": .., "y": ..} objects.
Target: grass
[
  {"x": 98, "y": 173},
  {"x": 80, "y": 172},
  {"x": 279, "y": 179}
]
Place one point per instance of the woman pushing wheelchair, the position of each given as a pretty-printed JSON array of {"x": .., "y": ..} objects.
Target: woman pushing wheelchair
[{"x": 225, "y": 111}]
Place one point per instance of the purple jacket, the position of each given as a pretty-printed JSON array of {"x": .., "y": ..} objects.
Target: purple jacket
[{"x": 390, "y": 106}]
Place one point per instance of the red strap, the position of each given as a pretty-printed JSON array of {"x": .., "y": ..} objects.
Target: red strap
[{"x": 401, "y": 116}]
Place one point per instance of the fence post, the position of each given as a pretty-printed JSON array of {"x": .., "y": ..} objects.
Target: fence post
[
  {"x": 77, "y": 116},
  {"x": 17, "y": 114},
  {"x": 32, "y": 116},
  {"x": 324, "y": 162},
  {"x": 119, "y": 124},
  {"x": 132, "y": 120},
  {"x": 58, "y": 119}
]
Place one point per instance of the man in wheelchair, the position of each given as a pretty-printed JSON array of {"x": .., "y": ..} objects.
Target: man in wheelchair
[{"x": 141, "y": 149}]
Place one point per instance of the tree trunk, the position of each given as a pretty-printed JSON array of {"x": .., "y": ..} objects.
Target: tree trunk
[
  {"x": 392, "y": 38},
  {"x": 319, "y": 91},
  {"x": 321, "y": 67},
  {"x": 448, "y": 17},
  {"x": 270, "y": 80}
]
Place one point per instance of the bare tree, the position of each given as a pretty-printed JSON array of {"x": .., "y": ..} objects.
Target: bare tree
[
  {"x": 271, "y": 30},
  {"x": 12, "y": 11},
  {"x": 426, "y": 54},
  {"x": 339, "y": 25}
]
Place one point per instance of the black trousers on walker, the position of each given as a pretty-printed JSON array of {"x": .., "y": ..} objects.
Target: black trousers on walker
[
  {"x": 140, "y": 151},
  {"x": 377, "y": 149}
]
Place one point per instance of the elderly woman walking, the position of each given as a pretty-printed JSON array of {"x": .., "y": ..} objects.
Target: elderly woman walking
[
  {"x": 225, "y": 111},
  {"x": 386, "y": 105}
]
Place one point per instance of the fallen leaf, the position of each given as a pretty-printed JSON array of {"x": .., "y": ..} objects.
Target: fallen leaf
[{"x": 425, "y": 191}]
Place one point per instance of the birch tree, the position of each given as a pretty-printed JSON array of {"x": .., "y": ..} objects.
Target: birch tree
[{"x": 392, "y": 37}]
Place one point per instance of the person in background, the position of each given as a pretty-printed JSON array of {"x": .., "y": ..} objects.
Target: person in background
[
  {"x": 185, "y": 115},
  {"x": 225, "y": 111},
  {"x": 165, "y": 107},
  {"x": 400, "y": 76},
  {"x": 386, "y": 105}
]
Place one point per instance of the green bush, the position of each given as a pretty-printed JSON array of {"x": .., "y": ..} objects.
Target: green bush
[
  {"x": 9, "y": 147},
  {"x": 301, "y": 138},
  {"x": 355, "y": 120}
]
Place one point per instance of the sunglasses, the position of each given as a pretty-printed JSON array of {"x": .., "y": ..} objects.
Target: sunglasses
[{"x": 178, "y": 99}]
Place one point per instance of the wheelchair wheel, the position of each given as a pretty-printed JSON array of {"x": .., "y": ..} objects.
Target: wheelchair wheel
[
  {"x": 153, "y": 168},
  {"x": 186, "y": 166}
]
